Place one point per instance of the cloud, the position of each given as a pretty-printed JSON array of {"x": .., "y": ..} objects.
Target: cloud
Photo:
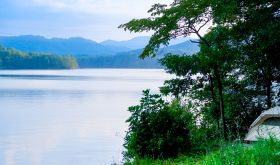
[
  {"x": 107, "y": 7},
  {"x": 94, "y": 19}
]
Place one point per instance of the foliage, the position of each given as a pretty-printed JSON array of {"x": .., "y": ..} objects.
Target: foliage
[
  {"x": 13, "y": 59},
  {"x": 229, "y": 82},
  {"x": 168, "y": 22},
  {"x": 263, "y": 152},
  {"x": 157, "y": 129},
  {"x": 232, "y": 79}
]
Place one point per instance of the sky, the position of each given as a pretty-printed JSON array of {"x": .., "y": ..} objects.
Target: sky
[{"x": 93, "y": 19}]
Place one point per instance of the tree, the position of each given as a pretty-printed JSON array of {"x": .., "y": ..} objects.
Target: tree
[
  {"x": 239, "y": 55},
  {"x": 256, "y": 31},
  {"x": 182, "y": 18},
  {"x": 242, "y": 41}
]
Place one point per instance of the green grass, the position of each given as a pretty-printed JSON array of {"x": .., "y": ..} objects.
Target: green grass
[{"x": 264, "y": 152}]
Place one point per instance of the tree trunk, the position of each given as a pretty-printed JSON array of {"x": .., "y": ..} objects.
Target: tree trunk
[
  {"x": 215, "y": 101},
  {"x": 220, "y": 85},
  {"x": 221, "y": 100}
]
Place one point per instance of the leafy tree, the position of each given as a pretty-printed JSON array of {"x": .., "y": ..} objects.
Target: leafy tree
[
  {"x": 256, "y": 31},
  {"x": 182, "y": 18},
  {"x": 157, "y": 129},
  {"x": 238, "y": 61}
]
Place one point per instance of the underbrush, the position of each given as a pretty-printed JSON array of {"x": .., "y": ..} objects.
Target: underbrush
[{"x": 263, "y": 152}]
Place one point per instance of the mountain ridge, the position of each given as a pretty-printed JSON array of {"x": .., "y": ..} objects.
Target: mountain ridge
[
  {"x": 78, "y": 46},
  {"x": 71, "y": 46},
  {"x": 90, "y": 53}
]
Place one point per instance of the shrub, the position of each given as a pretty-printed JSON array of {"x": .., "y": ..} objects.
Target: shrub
[{"x": 157, "y": 129}]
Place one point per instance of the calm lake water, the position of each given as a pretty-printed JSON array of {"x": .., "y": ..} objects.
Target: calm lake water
[{"x": 68, "y": 117}]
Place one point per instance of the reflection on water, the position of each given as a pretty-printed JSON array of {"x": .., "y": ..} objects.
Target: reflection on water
[{"x": 69, "y": 116}]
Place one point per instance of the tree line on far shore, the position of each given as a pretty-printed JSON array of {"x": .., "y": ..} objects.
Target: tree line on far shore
[{"x": 13, "y": 59}]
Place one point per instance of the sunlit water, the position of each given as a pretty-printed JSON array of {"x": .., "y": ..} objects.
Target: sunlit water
[{"x": 68, "y": 117}]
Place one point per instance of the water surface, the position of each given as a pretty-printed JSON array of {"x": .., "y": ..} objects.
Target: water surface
[{"x": 68, "y": 117}]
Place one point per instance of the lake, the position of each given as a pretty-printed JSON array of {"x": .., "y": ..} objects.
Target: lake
[{"x": 68, "y": 117}]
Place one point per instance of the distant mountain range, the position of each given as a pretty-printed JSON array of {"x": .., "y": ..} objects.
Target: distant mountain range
[
  {"x": 80, "y": 46},
  {"x": 134, "y": 43},
  {"x": 87, "y": 51},
  {"x": 71, "y": 46}
]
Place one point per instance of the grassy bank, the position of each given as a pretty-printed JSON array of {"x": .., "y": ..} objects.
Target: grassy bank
[{"x": 261, "y": 153}]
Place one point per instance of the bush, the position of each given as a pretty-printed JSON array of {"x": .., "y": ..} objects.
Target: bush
[{"x": 157, "y": 129}]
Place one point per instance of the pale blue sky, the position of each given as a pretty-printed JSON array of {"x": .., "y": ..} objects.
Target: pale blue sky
[{"x": 93, "y": 19}]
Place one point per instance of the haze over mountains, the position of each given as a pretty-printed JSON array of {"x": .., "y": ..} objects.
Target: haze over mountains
[
  {"x": 90, "y": 53},
  {"x": 71, "y": 46},
  {"x": 80, "y": 46}
]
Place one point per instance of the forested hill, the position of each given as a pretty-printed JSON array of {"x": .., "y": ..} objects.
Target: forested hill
[
  {"x": 131, "y": 59},
  {"x": 122, "y": 60},
  {"x": 14, "y": 59}
]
